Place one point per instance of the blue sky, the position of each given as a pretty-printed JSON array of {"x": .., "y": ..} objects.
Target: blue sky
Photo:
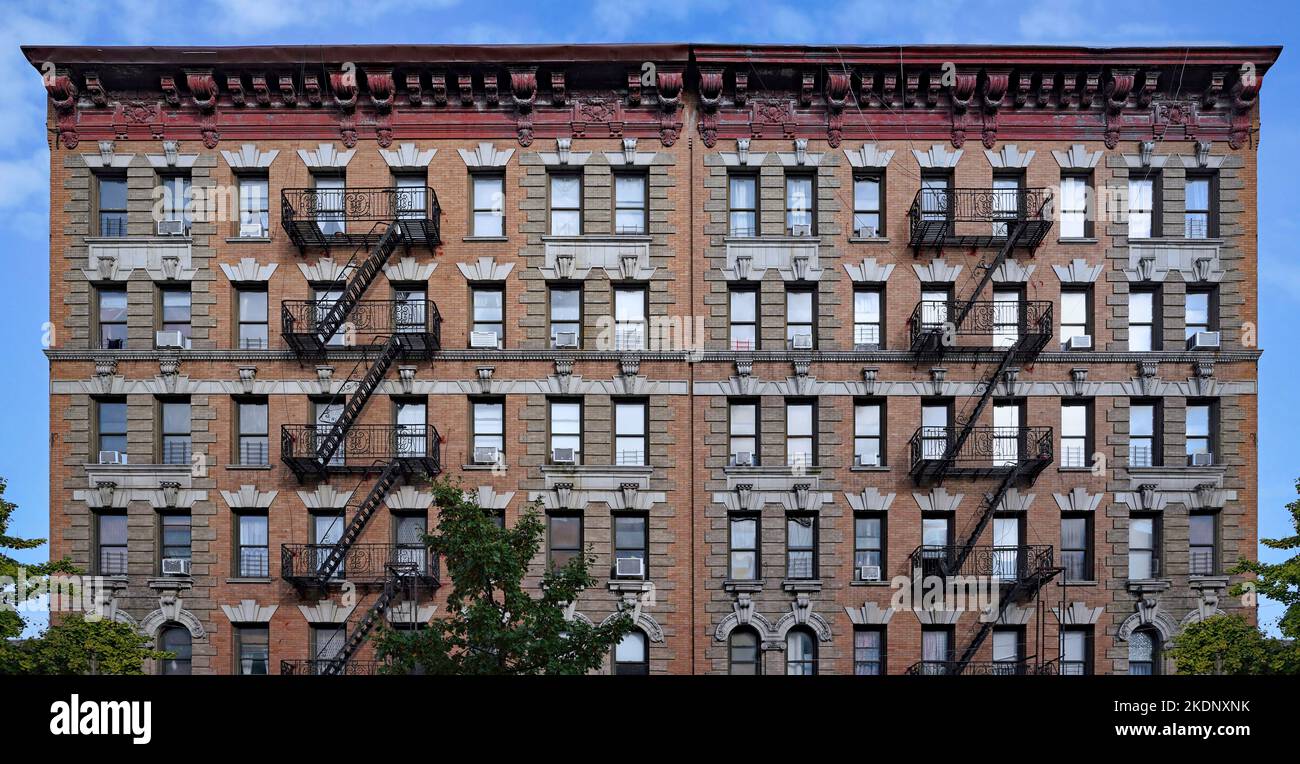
[{"x": 24, "y": 158}]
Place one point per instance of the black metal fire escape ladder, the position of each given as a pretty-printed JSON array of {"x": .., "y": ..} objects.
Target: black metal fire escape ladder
[{"x": 400, "y": 577}]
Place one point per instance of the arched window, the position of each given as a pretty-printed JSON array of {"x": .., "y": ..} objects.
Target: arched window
[
  {"x": 743, "y": 655},
  {"x": 1144, "y": 652},
  {"x": 631, "y": 657},
  {"x": 800, "y": 653},
  {"x": 175, "y": 639}
]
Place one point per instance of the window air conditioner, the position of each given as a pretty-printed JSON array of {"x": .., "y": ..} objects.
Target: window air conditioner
[
  {"x": 629, "y": 567},
  {"x": 743, "y": 458},
  {"x": 864, "y": 462},
  {"x": 172, "y": 228},
  {"x": 1203, "y": 341},
  {"x": 801, "y": 230},
  {"x": 563, "y": 455},
  {"x": 175, "y": 566},
  {"x": 1200, "y": 460},
  {"x": 485, "y": 454},
  {"x": 170, "y": 340},
  {"x": 566, "y": 339},
  {"x": 483, "y": 339},
  {"x": 1078, "y": 342},
  {"x": 112, "y": 457},
  {"x": 869, "y": 572},
  {"x": 867, "y": 232},
  {"x": 251, "y": 231},
  {"x": 801, "y": 342}
]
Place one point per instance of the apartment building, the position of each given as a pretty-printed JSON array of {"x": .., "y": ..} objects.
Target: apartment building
[{"x": 773, "y": 332}]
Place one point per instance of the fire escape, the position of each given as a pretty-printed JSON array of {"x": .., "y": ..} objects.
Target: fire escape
[
  {"x": 997, "y": 335},
  {"x": 376, "y": 222}
]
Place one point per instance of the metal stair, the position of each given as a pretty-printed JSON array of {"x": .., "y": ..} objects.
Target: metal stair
[
  {"x": 399, "y": 579},
  {"x": 327, "y": 446}
]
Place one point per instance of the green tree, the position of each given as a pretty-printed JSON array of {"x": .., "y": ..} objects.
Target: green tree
[
  {"x": 1279, "y": 581},
  {"x": 1231, "y": 645},
  {"x": 492, "y": 624},
  {"x": 75, "y": 645},
  {"x": 11, "y": 622}
]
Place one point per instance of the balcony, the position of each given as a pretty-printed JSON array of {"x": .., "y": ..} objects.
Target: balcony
[
  {"x": 363, "y": 565},
  {"x": 366, "y": 449},
  {"x": 328, "y": 667},
  {"x": 978, "y": 217},
  {"x": 1006, "y": 564},
  {"x": 368, "y": 325},
  {"x": 1026, "y": 667},
  {"x": 350, "y": 217},
  {"x": 987, "y": 326},
  {"x": 986, "y": 452}
]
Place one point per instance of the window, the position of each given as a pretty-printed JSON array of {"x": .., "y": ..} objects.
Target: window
[
  {"x": 176, "y": 315},
  {"x": 110, "y": 427},
  {"x": 866, "y": 318},
  {"x": 801, "y": 547},
  {"x": 1143, "y": 329},
  {"x": 489, "y": 311},
  {"x": 327, "y": 532},
  {"x": 934, "y": 429},
  {"x": 566, "y": 316},
  {"x": 934, "y": 306},
  {"x": 489, "y": 205},
  {"x": 410, "y": 196},
  {"x": 742, "y": 652},
  {"x": 329, "y": 203},
  {"x": 488, "y": 429},
  {"x": 868, "y": 220},
  {"x": 1203, "y": 546},
  {"x": 254, "y": 551},
  {"x": 1143, "y": 547},
  {"x": 564, "y": 539},
  {"x": 868, "y": 651},
  {"x": 1008, "y": 200},
  {"x": 868, "y": 545},
  {"x": 1076, "y": 434},
  {"x": 631, "y": 657},
  {"x": 1143, "y": 445},
  {"x": 1144, "y": 207},
  {"x": 1076, "y": 312},
  {"x": 253, "y": 333},
  {"x": 412, "y": 419},
  {"x": 327, "y": 641},
  {"x": 1200, "y": 312},
  {"x": 629, "y": 203},
  {"x": 566, "y": 204},
  {"x": 936, "y": 649},
  {"x": 1075, "y": 221},
  {"x": 254, "y": 207},
  {"x": 112, "y": 318},
  {"x": 175, "y": 432},
  {"x": 800, "y": 218},
  {"x": 1007, "y": 316},
  {"x": 1076, "y": 546},
  {"x": 629, "y": 318},
  {"x": 742, "y": 204},
  {"x": 743, "y": 544},
  {"x": 253, "y": 445},
  {"x": 936, "y": 190},
  {"x": 630, "y": 433},
  {"x": 744, "y": 318},
  {"x": 1200, "y": 431},
  {"x": 800, "y": 429},
  {"x": 175, "y": 639},
  {"x": 111, "y": 201},
  {"x": 1201, "y": 209},
  {"x": 327, "y": 415},
  {"x": 253, "y": 646},
  {"x": 1008, "y": 650},
  {"x": 110, "y": 535},
  {"x": 1144, "y": 652},
  {"x": 410, "y": 309},
  {"x": 566, "y": 431},
  {"x": 408, "y": 536},
  {"x": 800, "y": 652},
  {"x": 1076, "y": 651},
  {"x": 630, "y": 543},
  {"x": 324, "y": 299},
  {"x": 175, "y": 200},
  {"x": 743, "y": 429},
  {"x": 799, "y": 311},
  {"x": 936, "y": 535},
  {"x": 175, "y": 536},
  {"x": 868, "y": 434}
]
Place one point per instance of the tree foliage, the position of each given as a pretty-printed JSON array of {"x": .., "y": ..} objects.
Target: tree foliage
[
  {"x": 493, "y": 625},
  {"x": 1279, "y": 581},
  {"x": 75, "y": 645},
  {"x": 11, "y": 622},
  {"x": 1231, "y": 645}
]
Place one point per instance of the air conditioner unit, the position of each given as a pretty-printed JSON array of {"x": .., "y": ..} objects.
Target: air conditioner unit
[
  {"x": 629, "y": 567},
  {"x": 485, "y": 454},
  {"x": 743, "y": 458},
  {"x": 112, "y": 457},
  {"x": 566, "y": 339},
  {"x": 483, "y": 339},
  {"x": 801, "y": 230},
  {"x": 251, "y": 231},
  {"x": 801, "y": 342},
  {"x": 172, "y": 228},
  {"x": 175, "y": 566},
  {"x": 867, "y": 232},
  {"x": 1200, "y": 460},
  {"x": 170, "y": 340},
  {"x": 869, "y": 572},
  {"x": 861, "y": 462},
  {"x": 1078, "y": 342},
  {"x": 563, "y": 455},
  {"x": 1203, "y": 341}
]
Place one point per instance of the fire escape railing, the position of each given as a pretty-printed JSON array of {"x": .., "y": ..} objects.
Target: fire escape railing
[
  {"x": 369, "y": 323},
  {"x": 978, "y": 217},
  {"x": 326, "y": 217},
  {"x": 1023, "y": 327}
]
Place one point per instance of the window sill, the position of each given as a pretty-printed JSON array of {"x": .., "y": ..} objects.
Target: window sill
[
  {"x": 249, "y": 580},
  {"x": 1074, "y": 469},
  {"x": 870, "y": 583},
  {"x": 248, "y": 467},
  {"x": 802, "y": 584},
  {"x": 1176, "y": 241},
  {"x": 1078, "y": 240},
  {"x": 871, "y": 240},
  {"x": 1089, "y": 582},
  {"x": 248, "y": 239},
  {"x": 481, "y": 467},
  {"x": 747, "y": 585},
  {"x": 880, "y": 468},
  {"x": 473, "y": 239}
]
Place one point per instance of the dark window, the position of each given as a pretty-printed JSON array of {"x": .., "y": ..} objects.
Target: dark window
[
  {"x": 564, "y": 539},
  {"x": 629, "y": 203},
  {"x": 1076, "y": 651},
  {"x": 176, "y": 445},
  {"x": 1144, "y": 652},
  {"x": 1076, "y": 545},
  {"x": 254, "y": 552},
  {"x": 868, "y": 546},
  {"x": 631, "y": 655},
  {"x": 176, "y": 317},
  {"x": 1144, "y": 426},
  {"x": 110, "y": 535},
  {"x": 111, "y": 426},
  {"x": 1008, "y": 650},
  {"x": 630, "y": 427},
  {"x": 936, "y": 649},
  {"x": 743, "y": 543},
  {"x": 801, "y": 547},
  {"x": 488, "y": 213},
  {"x": 867, "y": 330},
  {"x": 800, "y": 652},
  {"x": 743, "y": 656},
  {"x": 1076, "y": 433},
  {"x": 112, "y": 318},
  {"x": 1143, "y": 546},
  {"x": 253, "y": 333},
  {"x": 409, "y": 530},
  {"x": 566, "y": 204},
  {"x": 254, "y": 444},
  {"x": 744, "y": 318},
  {"x": 176, "y": 535},
  {"x": 868, "y": 206},
  {"x": 253, "y": 648},
  {"x": 1201, "y": 208},
  {"x": 175, "y": 639},
  {"x": 800, "y": 205},
  {"x": 111, "y": 201},
  {"x": 868, "y": 651},
  {"x": 742, "y": 204},
  {"x": 936, "y": 193},
  {"x": 566, "y": 316},
  {"x": 868, "y": 433},
  {"x": 631, "y": 544},
  {"x": 1203, "y": 535}
]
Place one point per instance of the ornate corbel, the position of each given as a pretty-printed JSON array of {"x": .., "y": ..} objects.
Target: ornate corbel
[
  {"x": 311, "y": 87},
  {"x": 465, "y": 83},
  {"x": 95, "y": 90},
  {"x": 838, "y": 84},
  {"x": 710, "y": 100},
  {"x": 414, "y": 89},
  {"x": 438, "y": 84},
  {"x": 559, "y": 91},
  {"x": 490, "y": 90},
  {"x": 742, "y": 88},
  {"x": 867, "y": 87},
  {"x": 911, "y": 87},
  {"x": 1046, "y": 86},
  {"x": 171, "y": 94},
  {"x": 1245, "y": 94},
  {"x": 203, "y": 91},
  {"x": 669, "y": 81},
  {"x": 1214, "y": 89},
  {"x": 634, "y": 88},
  {"x": 808, "y": 83},
  {"x": 523, "y": 89},
  {"x": 383, "y": 94},
  {"x": 1118, "y": 88},
  {"x": 1148, "y": 92},
  {"x": 960, "y": 94},
  {"x": 63, "y": 96},
  {"x": 991, "y": 97},
  {"x": 235, "y": 84},
  {"x": 261, "y": 91},
  {"x": 1024, "y": 84},
  {"x": 1088, "y": 85},
  {"x": 344, "y": 85}
]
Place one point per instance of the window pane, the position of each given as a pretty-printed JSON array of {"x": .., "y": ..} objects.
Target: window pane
[
  {"x": 1198, "y": 308},
  {"x": 487, "y": 304},
  {"x": 112, "y": 193},
  {"x": 629, "y": 419},
  {"x": 1141, "y": 420},
  {"x": 866, "y": 307},
  {"x": 112, "y": 530},
  {"x": 631, "y": 648},
  {"x": 1202, "y": 530},
  {"x": 252, "y": 305},
  {"x": 252, "y": 418},
  {"x": 566, "y": 532},
  {"x": 799, "y": 307},
  {"x": 743, "y": 304},
  {"x": 1074, "y": 421},
  {"x": 866, "y": 420},
  {"x": 565, "y": 191},
  {"x": 565, "y": 304},
  {"x": 799, "y": 419},
  {"x": 743, "y": 194},
  {"x": 742, "y": 419},
  {"x": 176, "y": 417}
]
